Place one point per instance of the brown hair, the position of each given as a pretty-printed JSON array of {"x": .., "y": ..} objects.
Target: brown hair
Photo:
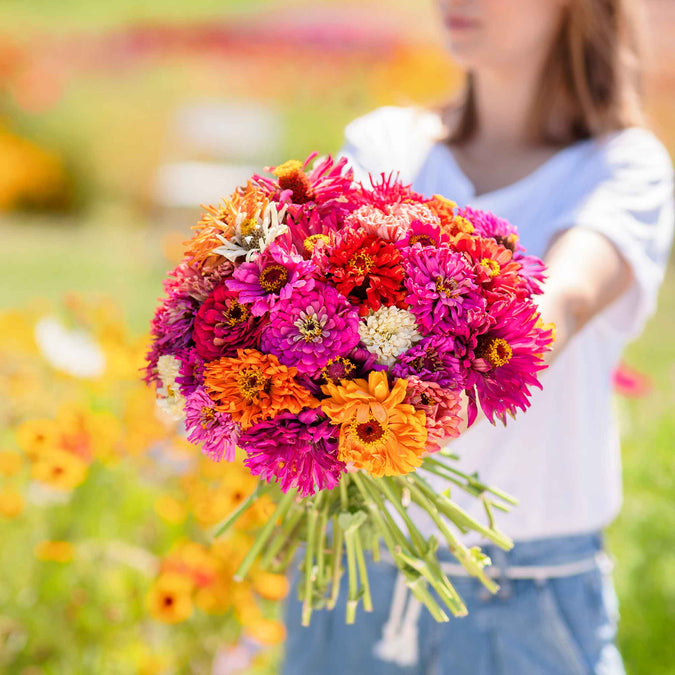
[{"x": 591, "y": 82}]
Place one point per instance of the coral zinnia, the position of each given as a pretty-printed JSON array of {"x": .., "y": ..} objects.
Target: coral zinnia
[
  {"x": 215, "y": 431},
  {"x": 367, "y": 270},
  {"x": 254, "y": 386},
  {"x": 223, "y": 325},
  {"x": 442, "y": 408},
  {"x": 442, "y": 291},
  {"x": 270, "y": 277},
  {"x": 506, "y": 360},
  {"x": 300, "y": 451},
  {"x": 310, "y": 327},
  {"x": 378, "y": 433}
]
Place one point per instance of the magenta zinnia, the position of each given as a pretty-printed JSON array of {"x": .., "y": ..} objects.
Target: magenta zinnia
[{"x": 299, "y": 451}]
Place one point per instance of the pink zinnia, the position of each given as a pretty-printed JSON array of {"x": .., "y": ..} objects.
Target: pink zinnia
[
  {"x": 310, "y": 327},
  {"x": 506, "y": 360},
  {"x": 214, "y": 431},
  {"x": 442, "y": 291},
  {"x": 223, "y": 325},
  {"x": 299, "y": 451},
  {"x": 432, "y": 359},
  {"x": 272, "y": 276},
  {"x": 442, "y": 408}
]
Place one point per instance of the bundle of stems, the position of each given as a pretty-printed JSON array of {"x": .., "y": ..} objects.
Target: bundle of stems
[{"x": 356, "y": 517}]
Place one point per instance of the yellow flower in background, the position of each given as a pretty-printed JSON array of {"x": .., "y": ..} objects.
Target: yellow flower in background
[
  {"x": 170, "y": 509},
  {"x": 55, "y": 551},
  {"x": 170, "y": 598},
  {"x": 266, "y": 631},
  {"x": 270, "y": 586},
  {"x": 10, "y": 462},
  {"x": 214, "y": 599},
  {"x": 59, "y": 469},
  {"x": 37, "y": 436},
  {"x": 11, "y": 503}
]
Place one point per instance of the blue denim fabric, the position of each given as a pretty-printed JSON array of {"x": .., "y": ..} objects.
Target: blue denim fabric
[{"x": 562, "y": 626}]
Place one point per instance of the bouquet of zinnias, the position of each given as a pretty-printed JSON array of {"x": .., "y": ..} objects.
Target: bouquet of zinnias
[{"x": 337, "y": 334}]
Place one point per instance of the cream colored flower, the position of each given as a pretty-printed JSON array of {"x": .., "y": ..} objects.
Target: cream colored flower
[{"x": 388, "y": 332}]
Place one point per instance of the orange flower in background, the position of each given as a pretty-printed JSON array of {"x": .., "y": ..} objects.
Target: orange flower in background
[
  {"x": 254, "y": 387},
  {"x": 60, "y": 469},
  {"x": 55, "y": 551},
  {"x": 267, "y": 631},
  {"x": 170, "y": 598},
  {"x": 270, "y": 586},
  {"x": 379, "y": 432},
  {"x": 37, "y": 436},
  {"x": 11, "y": 503},
  {"x": 10, "y": 462},
  {"x": 451, "y": 223}
]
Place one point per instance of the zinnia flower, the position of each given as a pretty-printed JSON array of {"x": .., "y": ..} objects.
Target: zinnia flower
[
  {"x": 422, "y": 234},
  {"x": 223, "y": 325},
  {"x": 214, "y": 431},
  {"x": 379, "y": 432},
  {"x": 506, "y": 360},
  {"x": 310, "y": 327},
  {"x": 442, "y": 292},
  {"x": 432, "y": 359},
  {"x": 270, "y": 277},
  {"x": 300, "y": 451},
  {"x": 254, "y": 387},
  {"x": 388, "y": 332},
  {"x": 367, "y": 270},
  {"x": 390, "y": 222},
  {"x": 442, "y": 408},
  {"x": 191, "y": 373}
]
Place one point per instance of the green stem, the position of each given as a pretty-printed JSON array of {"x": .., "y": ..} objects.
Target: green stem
[
  {"x": 353, "y": 598},
  {"x": 309, "y": 571},
  {"x": 363, "y": 572},
  {"x": 336, "y": 563},
  {"x": 389, "y": 490},
  {"x": 264, "y": 534},
  {"x": 289, "y": 529},
  {"x": 321, "y": 544},
  {"x": 260, "y": 489}
]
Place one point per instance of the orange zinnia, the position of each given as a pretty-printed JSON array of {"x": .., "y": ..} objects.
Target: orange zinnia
[
  {"x": 254, "y": 387},
  {"x": 379, "y": 432}
]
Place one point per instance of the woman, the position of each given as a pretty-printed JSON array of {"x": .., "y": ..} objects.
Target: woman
[{"x": 549, "y": 136}]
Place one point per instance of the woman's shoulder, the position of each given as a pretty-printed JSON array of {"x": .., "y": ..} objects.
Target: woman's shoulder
[{"x": 392, "y": 138}]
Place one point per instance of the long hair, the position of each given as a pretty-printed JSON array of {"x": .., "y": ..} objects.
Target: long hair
[{"x": 591, "y": 81}]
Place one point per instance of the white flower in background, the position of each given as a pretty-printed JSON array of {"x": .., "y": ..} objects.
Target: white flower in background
[
  {"x": 170, "y": 400},
  {"x": 388, "y": 332},
  {"x": 72, "y": 351},
  {"x": 252, "y": 235}
]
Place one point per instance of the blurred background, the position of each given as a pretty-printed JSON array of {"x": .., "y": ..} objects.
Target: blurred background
[{"x": 117, "y": 120}]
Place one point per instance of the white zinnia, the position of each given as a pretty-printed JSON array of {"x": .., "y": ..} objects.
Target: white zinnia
[
  {"x": 170, "y": 400},
  {"x": 388, "y": 332},
  {"x": 260, "y": 231}
]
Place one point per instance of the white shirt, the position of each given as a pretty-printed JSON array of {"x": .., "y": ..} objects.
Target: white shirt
[{"x": 561, "y": 458}]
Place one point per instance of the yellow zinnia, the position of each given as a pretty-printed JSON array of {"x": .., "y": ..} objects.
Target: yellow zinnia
[
  {"x": 170, "y": 598},
  {"x": 378, "y": 433},
  {"x": 60, "y": 469}
]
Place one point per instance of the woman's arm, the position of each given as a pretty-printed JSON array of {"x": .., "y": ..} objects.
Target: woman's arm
[{"x": 586, "y": 273}]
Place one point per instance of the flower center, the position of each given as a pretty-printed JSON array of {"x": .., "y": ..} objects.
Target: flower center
[
  {"x": 292, "y": 177},
  {"x": 311, "y": 241},
  {"x": 430, "y": 361},
  {"x": 248, "y": 227},
  {"x": 491, "y": 267},
  {"x": 446, "y": 287},
  {"x": 338, "y": 369},
  {"x": 425, "y": 399},
  {"x": 273, "y": 278},
  {"x": 207, "y": 416},
  {"x": 252, "y": 382},
  {"x": 361, "y": 263},
  {"x": 496, "y": 351},
  {"x": 423, "y": 239},
  {"x": 310, "y": 327},
  {"x": 370, "y": 433},
  {"x": 235, "y": 313},
  {"x": 509, "y": 241},
  {"x": 462, "y": 224}
]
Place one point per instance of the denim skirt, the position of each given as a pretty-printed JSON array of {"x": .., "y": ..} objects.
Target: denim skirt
[{"x": 552, "y": 626}]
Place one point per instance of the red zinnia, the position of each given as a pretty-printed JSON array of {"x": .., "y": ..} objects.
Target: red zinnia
[{"x": 368, "y": 271}]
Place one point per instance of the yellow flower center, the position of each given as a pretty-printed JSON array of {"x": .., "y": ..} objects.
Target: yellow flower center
[
  {"x": 423, "y": 239},
  {"x": 496, "y": 351},
  {"x": 206, "y": 416},
  {"x": 248, "y": 227},
  {"x": 361, "y": 263},
  {"x": 235, "y": 313},
  {"x": 370, "y": 433},
  {"x": 292, "y": 166},
  {"x": 252, "y": 382},
  {"x": 311, "y": 241},
  {"x": 273, "y": 278},
  {"x": 446, "y": 287},
  {"x": 463, "y": 224},
  {"x": 310, "y": 328},
  {"x": 491, "y": 266},
  {"x": 338, "y": 369}
]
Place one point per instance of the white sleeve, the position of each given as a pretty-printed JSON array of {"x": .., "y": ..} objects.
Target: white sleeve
[
  {"x": 626, "y": 194},
  {"x": 387, "y": 139}
]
